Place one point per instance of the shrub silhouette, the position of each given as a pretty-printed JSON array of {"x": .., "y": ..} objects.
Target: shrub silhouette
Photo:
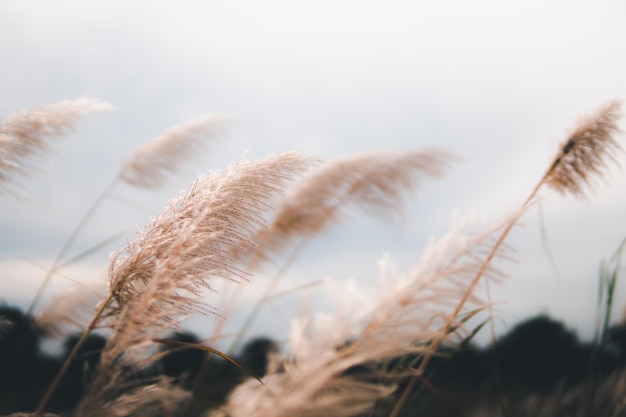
[
  {"x": 83, "y": 366},
  {"x": 24, "y": 372},
  {"x": 538, "y": 354},
  {"x": 181, "y": 363},
  {"x": 19, "y": 343}
]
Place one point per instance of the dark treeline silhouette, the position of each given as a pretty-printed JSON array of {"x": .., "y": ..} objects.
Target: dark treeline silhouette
[
  {"x": 26, "y": 371},
  {"x": 537, "y": 357}
]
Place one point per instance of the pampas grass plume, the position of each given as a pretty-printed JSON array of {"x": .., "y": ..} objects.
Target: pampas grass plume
[
  {"x": 583, "y": 155},
  {"x": 25, "y": 133},
  {"x": 149, "y": 165},
  {"x": 373, "y": 181},
  {"x": 157, "y": 280},
  {"x": 193, "y": 237},
  {"x": 313, "y": 380}
]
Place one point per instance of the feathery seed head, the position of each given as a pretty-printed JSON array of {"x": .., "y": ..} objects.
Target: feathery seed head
[
  {"x": 583, "y": 155},
  {"x": 194, "y": 237},
  {"x": 373, "y": 181},
  {"x": 157, "y": 280},
  {"x": 150, "y": 164},
  {"x": 24, "y": 133}
]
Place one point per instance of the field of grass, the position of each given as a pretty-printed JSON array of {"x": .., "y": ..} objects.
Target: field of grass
[{"x": 409, "y": 354}]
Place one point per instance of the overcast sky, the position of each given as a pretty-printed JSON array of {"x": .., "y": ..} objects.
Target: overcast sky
[{"x": 497, "y": 83}]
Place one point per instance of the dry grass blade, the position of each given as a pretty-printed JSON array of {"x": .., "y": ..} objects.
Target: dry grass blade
[
  {"x": 583, "y": 154},
  {"x": 25, "y": 134},
  {"x": 149, "y": 165},
  {"x": 157, "y": 279},
  {"x": 374, "y": 182},
  {"x": 206, "y": 349}
]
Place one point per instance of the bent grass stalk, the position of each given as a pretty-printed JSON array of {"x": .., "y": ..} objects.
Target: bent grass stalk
[
  {"x": 61, "y": 373},
  {"x": 58, "y": 261},
  {"x": 581, "y": 156}
]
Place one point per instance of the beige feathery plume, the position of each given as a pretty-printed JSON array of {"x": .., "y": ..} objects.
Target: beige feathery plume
[
  {"x": 583, "y": 155},
  {"x": 149, "y": 165},
  {"x": 24, "y": 134},
  {"x": 412, "y": 310},
  {"x": 193, "y": 238},
  {"x": 374, "y": 182},
  {"x": 157, "y": 279}
]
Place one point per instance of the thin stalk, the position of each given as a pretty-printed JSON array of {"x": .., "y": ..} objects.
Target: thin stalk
[
  {"x": 255, "y": 309},
  {"x": 252, "y": 315},
  {"x": 546, "y": 244},
  {"x": 57, "y": 380},
  {"x": 435, "y": 345},
  {"x": 267, "y": 294},
  {"x": 92, "y": 249},
  {"x": 59, "y": 258},
  {"x": 606, "y": 291}
]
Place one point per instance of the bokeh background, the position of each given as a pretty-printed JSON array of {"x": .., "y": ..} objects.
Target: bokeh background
[{"x": 500, "y": 84}]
